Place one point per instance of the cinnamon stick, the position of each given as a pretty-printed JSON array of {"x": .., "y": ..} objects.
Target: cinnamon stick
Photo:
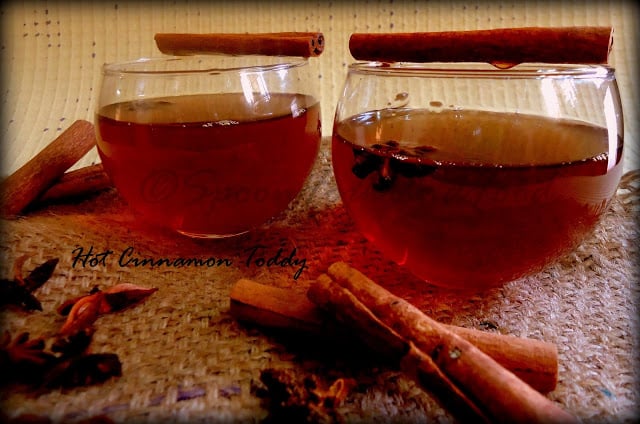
[
  {"x": 304, "y": 44},
  {"x": 273, "y": 307},
  {"x": 80, "y": 182},
  {"x": 534, "y": 361},
  {"x": 40, "y": 172},
  {"x": 382, "y": 338},
  {"x": 499, "y": 393},
  {"x": 503, "y": 47}
]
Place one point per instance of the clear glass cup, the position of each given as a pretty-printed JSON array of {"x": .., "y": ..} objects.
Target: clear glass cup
[
  {"x": 210, "y": 146},
  {"x": 473, "y": 176}
]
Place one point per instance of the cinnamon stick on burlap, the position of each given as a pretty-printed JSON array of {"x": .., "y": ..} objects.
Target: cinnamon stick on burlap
[
  {"x": 40, "y": 172},
  {"x": 77, "y": 183},
  {"x": 505, "y": 47},
  {"x": 534, "y": 361},
  {"x": 379, "y": 336},
  {"x": 485, "y": 385},
  {"x": 304, "y": 44}
]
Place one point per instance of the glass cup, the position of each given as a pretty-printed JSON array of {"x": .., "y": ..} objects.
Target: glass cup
[
  {"x": 473, "y": 176},
  {"x": 210, "y": 146}
]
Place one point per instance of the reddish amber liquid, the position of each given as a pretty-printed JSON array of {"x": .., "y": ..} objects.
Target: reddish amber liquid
[
  {"x": 471, "y": 199},
  {"x": 210, "y": 165}
]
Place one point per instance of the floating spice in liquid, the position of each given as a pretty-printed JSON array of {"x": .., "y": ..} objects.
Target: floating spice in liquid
[
  {"x": 215, "y": 164},
  {"x": 471, "y": 199}
]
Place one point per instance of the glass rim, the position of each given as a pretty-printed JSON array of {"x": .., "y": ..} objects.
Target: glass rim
[
  {"x": 202, "y": 64},
  {"x": 481, "y": 70}
]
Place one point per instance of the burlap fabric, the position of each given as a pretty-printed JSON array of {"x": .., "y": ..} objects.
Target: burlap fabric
[{"x": 185, "y": 359}]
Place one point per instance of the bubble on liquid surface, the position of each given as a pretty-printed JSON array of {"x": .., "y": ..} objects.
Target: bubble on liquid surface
[
  {"x": 146, "y": 105},
  {"x": 436, "y": 105},
  {"x": 298, "y": 112},
  {"x": 401, "y": 100},
  {"x": 226, "y": 122},
  {"x": 401, "y": 97}
]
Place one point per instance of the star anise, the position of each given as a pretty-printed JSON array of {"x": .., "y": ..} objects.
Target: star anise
[
  {"x": 83, "y": 370},
  {"x": 63, "y": 361},
  {"x": 302, "y": 398},
  {"x": 23, "y": 358},
  {"x": 388, "y": 160},
  {"x": 19, "y": 290},
  {"x": 74, "y": 344},
  {"x": 27, "y": 361}
]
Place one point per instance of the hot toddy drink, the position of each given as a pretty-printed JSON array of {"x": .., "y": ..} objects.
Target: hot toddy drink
[
  {"x": 212, "y": 164},
  {"x": 472, "y": 199}
]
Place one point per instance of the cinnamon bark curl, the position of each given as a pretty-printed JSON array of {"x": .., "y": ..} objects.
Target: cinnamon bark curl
[
  {"x": 304, "y": 44},
  {"x": 19, "y": 189},
  {"x": 503, "y": 47}
]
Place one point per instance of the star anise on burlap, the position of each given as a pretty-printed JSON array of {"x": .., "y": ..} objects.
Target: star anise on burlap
[
  {"x": 30, "y": 361},
  {"x": 73, "y": 338},
  {"x": 24, "y": 358},
  {"x": 292, "y": 397},
  {"x": 18, "y": 292},
  {"x": 62, "y": 360}
]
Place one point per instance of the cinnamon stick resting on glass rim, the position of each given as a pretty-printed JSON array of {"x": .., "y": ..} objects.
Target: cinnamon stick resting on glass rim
[
  {"x": 304, "y": 44},
  {"x": 503, "y": 47}
]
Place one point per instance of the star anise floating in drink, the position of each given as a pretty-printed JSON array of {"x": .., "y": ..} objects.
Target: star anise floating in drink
[{"x": 388, "y": 160}]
